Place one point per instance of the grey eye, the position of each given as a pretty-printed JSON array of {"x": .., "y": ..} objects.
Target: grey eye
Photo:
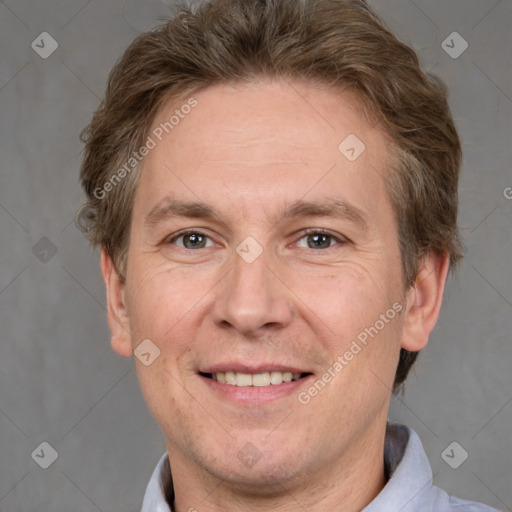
[
  {"x": 318, "y": 240},
  {"x": 192, "y": 240}
]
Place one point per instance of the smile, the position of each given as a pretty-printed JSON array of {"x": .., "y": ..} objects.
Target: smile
[{"x": 262, "y": 379}]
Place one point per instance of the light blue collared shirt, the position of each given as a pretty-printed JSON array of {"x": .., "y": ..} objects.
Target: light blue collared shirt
[{"x": 409, "y": 488}]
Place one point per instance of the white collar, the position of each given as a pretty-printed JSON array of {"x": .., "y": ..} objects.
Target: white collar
[{"x": 409, "y": 488}]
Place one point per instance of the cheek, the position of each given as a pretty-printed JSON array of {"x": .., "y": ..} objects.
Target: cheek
[
  {"x": 163, "y": 392},
  {"x": 362, "y": 306},
  {"x": 348, "y": 300},
  {"x": 159, "y": 300},
  {"x": 367, "y": 365},
  {"x": 160, "y": 310}
]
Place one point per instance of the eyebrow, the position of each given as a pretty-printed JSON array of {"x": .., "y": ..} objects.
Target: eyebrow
[
  {"x": 330, "y": 207},
  {"x": 169, "y": 208}
]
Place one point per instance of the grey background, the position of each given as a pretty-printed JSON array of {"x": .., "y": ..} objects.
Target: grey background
[{"x": 59, "y": 380}]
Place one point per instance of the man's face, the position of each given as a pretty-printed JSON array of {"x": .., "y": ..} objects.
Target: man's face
[{"x": 267, "y": 284}]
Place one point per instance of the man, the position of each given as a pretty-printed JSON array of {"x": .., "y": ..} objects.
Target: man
[{"x": 274, "y": 188}]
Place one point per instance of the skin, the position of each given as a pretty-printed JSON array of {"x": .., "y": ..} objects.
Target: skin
[{"x": 247, "y": 151}]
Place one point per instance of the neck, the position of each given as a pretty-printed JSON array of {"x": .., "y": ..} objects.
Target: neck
[{"x": 348, "y": 483}]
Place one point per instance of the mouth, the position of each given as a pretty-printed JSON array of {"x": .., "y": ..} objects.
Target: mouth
[{"x": 260, "y": 379}]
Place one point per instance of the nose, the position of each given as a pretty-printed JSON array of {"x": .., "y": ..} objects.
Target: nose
[{"x": 252, "y": 299}]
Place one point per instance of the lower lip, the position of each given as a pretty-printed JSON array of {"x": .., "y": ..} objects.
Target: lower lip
[{"x": 254, "y": 395}]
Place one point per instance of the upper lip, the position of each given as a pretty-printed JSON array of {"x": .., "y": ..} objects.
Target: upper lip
[{"x": 251, "y": 368}]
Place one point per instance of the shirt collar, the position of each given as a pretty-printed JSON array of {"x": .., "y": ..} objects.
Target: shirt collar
[
  {"x": 155, "y": 499},
  {"x": 408, "y": 471},
  {"x": 406, "y": 465}
]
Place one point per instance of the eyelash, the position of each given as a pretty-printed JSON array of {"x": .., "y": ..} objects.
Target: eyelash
[{"x": 340, "y": 240}]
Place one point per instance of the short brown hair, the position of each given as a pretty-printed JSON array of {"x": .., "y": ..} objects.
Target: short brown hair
[{"x": 341, "y": 43}]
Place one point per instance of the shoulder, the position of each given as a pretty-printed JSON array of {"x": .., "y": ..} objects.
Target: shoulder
[
  {"x": 410, "y": 486},
  {"x": 443, "y": 502}
]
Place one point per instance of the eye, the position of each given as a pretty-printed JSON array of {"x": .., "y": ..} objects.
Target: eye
[
  {"x": 319, "y": 239},
  {"x": 191, "y": 240}
]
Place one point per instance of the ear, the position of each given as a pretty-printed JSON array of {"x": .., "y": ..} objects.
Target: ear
[
  {"x": 118, "y": 320},
  {"x": 423, "y": 302}
]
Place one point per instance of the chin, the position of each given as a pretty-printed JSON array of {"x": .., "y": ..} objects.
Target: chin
[{"x": 253, "y": 470}]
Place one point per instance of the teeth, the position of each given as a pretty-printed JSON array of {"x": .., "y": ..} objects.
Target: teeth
[
  {"x": 256, "y": 379},
  {"x": 230, "y": 378},
  {"x": 260, "y": 379},
  {"x": 243, "y": 379},
  {"x": 276, "y": 378},
  {"x": 287, "y": 376}
]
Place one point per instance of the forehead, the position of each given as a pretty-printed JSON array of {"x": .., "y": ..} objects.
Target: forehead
[
  {"x": 238, "y": 117},
  {"x": 268, "y": 139}
]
